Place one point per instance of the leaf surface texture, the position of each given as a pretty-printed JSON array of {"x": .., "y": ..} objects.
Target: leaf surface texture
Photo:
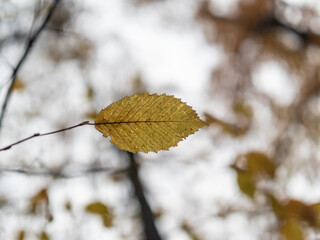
[{"x": 148, "y": 123}]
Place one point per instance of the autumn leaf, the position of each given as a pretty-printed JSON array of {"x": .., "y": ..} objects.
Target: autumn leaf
[
  {"x": 18, "y": 84},
  {"x": 291, "y": 230},
  {"x": 21, "y": 235},
  {"x": 241, "y": 108},
  {"x": 97, "y": 208},
  {"x": 40, "y": 198},
  {"x": 39, "y": 203},
  {"x": 43, "y": 236},
  {"x": 250, "y": 168},
  {"x": 260, "y": 163},
  {"x": 148, "y": 123},
  {"x": 246, "y": 183},
  {"x": 101, "y": 210},
  {"x": 316, "y": 210}
]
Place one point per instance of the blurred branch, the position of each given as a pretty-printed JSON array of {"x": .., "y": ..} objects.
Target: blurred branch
[
  {"x": 28, "y": 48},
  {"x": 150, "y": 229},
  {"x": 16, "y": 36},
  {"x": 67, "y": 33},
  {"x": 262, "y": 25},
  {"x": 60, "y": 174},
  {"x": 309, "y": 90},
  {"x": 37, "y": 12}
]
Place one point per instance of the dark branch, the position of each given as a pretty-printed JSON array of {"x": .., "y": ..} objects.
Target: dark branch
[
  {"x": 150, "y": 229},
  {"x": 28, "y": 48}
]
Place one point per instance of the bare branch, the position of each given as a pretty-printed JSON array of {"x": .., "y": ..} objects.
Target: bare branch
[
  {"x": 45, "y": 134},
  {"x": 28, "y": 48},
  {"x": 61, "y": 174}
]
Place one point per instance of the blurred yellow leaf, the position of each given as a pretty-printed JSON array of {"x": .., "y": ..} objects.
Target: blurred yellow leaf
[
  {"x": 38, "y": 199},
  {"x": 102, "y": 210},
  {"x": 21, "y": 235},
  {"x": 18, "y": 84},
  {"x": 40, "y": 203},
  {"x": 243, "y": 109},
  {"x": 148, "y": 123},
  {"x": 296, "y": 210},
  {"x": 316, "y": 210},
  {"x": 107, "y": 220},
  {"x": 246, "y": 183},
  {"x": 301, "y": 211},
  {"x": 250, "y": 168},
  {"x": 43, "y": 236},
  {"x": 97, "y": 208},
  {"x": 260, "y": 163},
  {"x": 291, "y": 230},
  {"x": 277, "y": 207}
]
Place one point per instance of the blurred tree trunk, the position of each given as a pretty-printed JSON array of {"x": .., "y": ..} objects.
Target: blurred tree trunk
[{"x": 150, "y": 229}]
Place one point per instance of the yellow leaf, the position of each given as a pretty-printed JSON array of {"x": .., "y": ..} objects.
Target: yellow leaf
[
  {"x": 97, "y": 208},
  {"x": 148, "y": 123},
  {"x": 277, "y": 207},
  {"x": 102, "y": 210},
  {"x": 21, "y": 235},
  {"x": 295, "y": 210},
  {"x": 39, "y": 204},
  {"x": 260, "y": 163},
  {"x": 301, "y": 211},
  {"x": 316, "y": 210},
  {"x": 246, "y": 183},
  {"x": 243, "y": 109},
  {"x": 37, "y": 200},
  {"x": 291, "y": 230},
  {"x": 18, "y": 85},
  {"x": 43, "y": 236},
  {"x": 107, "y": 220}
]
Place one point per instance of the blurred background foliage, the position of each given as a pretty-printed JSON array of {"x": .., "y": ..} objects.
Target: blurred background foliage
[
  {"x": 261, "y": 101},
  {"x": 257, "y": 33}
]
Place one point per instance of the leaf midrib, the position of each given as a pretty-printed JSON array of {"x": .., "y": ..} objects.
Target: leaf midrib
[{"x": 152, "y": 121}]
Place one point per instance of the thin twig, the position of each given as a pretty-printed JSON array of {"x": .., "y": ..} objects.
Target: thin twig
[
  {"x": 36, "y": 14},
  {"x": 60, "y": 174},
  {"x": 45, "y": 134},
  {"x": 29, "y": 46}
]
